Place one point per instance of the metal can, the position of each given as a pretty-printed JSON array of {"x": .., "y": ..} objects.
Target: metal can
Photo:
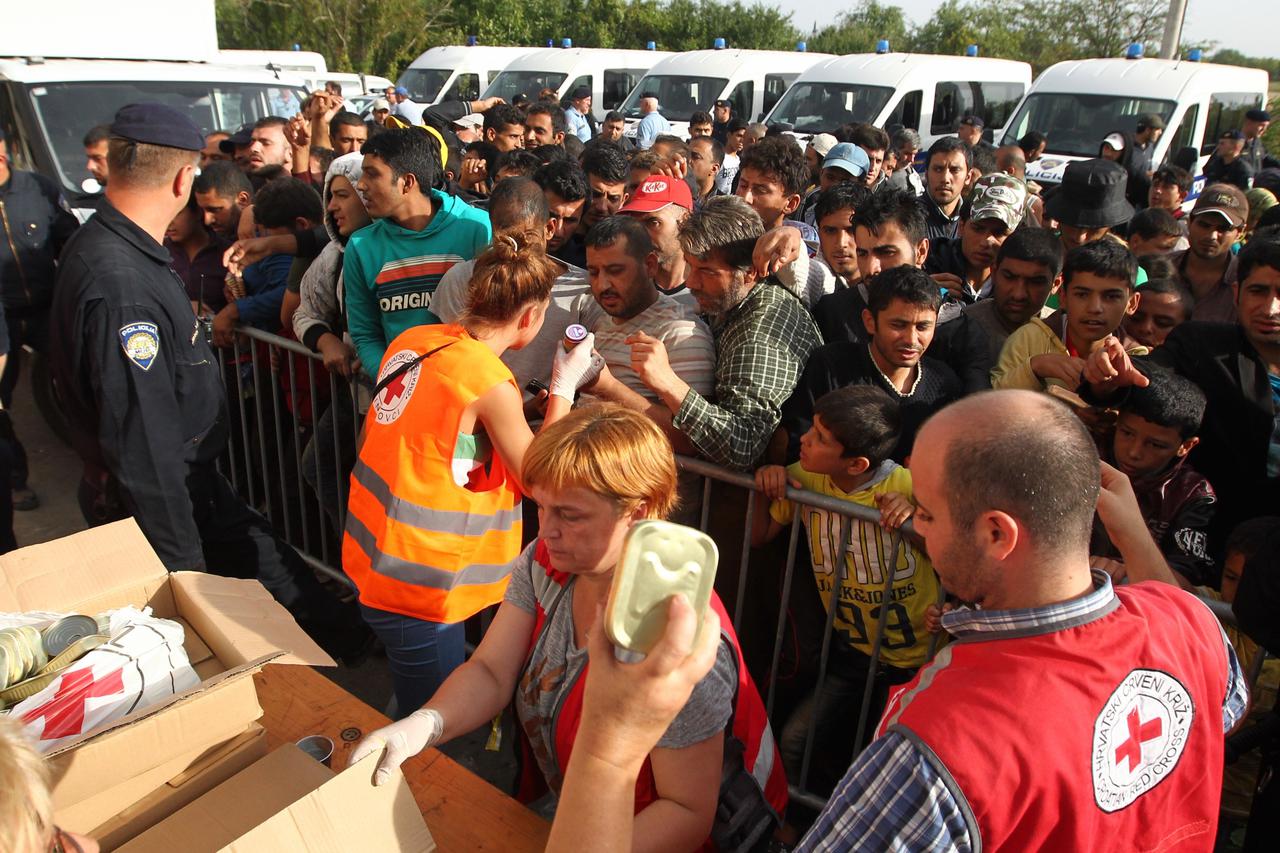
[{"x": 574, "y": 334}]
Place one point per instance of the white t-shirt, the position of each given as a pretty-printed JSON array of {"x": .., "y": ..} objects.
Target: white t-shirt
[
  {"x": 690, "y": 348},
  {"x": 728, "y": 170},
  {"x": 533, "y": 361}
]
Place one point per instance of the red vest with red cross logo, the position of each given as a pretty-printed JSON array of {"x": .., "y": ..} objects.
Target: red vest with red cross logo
[{"x": 1102, "y": 736}]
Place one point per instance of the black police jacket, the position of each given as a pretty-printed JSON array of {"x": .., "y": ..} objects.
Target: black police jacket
[
  {"x": 35, "y": 223},
  {"x": 140, "y": 384}
]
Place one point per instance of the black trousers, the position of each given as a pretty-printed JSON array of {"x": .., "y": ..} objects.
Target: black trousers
[
  {"x": 239, "y": 542},
  {"x": 29, "y": 327}
]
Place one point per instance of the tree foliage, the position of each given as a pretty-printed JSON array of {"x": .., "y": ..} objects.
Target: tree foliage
[{"x": 383, "y": 36}]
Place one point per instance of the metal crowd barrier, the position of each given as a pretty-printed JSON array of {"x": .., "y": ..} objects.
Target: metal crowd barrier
[{"x": 281, "y": 432}]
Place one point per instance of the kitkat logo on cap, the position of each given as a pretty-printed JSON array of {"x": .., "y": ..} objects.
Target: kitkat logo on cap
[
  {"x": 654, "y": 186},
  {"x": 656, "y": 192}
]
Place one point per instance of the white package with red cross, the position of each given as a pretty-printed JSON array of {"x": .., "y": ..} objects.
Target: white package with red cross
[{"x": 143, "y": 663}]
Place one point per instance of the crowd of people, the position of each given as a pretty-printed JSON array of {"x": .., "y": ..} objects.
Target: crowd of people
[{"x": 1072, "y": 393}]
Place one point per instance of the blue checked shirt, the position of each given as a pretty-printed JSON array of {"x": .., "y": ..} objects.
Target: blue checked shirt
[{"x": 893, "y": 799}]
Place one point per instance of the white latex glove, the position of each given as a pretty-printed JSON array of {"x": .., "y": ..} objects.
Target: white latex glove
[
  {"x": 399, "y": 741},
  {"x": 575, "y": 368}
]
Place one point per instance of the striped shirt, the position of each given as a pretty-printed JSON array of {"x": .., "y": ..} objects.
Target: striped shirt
[
  {"x": 690, "y": 350},
  {"x": 893, "y": 799}
]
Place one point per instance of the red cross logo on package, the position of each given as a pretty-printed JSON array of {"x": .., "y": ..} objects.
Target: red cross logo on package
[{"x": 64, "y": 713}]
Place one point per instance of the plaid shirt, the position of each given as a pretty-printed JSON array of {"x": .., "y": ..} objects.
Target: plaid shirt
[
  {"x": 892, "y": 798},
  {"x": 762, "y": 345}
]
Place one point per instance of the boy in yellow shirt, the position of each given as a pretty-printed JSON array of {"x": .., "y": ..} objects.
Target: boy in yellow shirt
[
  {"x": 1098, "y": 292},
  {"x": 845, "y": 455}
]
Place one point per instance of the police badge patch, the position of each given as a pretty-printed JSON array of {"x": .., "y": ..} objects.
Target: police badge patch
[{"x": 141, "y": 343}]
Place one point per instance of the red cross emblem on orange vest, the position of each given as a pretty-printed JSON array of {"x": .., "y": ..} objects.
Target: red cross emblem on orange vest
[
  {"x": 1139, "y": 733},
  {"x": 393, "y": 390},
  {"x": 64, "y": 713}
]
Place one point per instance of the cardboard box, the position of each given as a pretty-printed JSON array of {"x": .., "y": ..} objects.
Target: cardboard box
[
  {"x": 290, "y": 803},
  {"x": 234, "y": 628}
]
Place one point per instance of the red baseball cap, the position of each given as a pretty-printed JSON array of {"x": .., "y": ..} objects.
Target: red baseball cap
[{"x": 656, "y": 192}]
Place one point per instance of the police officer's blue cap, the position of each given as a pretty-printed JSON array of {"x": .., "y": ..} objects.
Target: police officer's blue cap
[{"x": 157, "y": 124}]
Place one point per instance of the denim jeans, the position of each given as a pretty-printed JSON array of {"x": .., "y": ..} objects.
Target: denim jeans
[{"x": 420, "y": 654}]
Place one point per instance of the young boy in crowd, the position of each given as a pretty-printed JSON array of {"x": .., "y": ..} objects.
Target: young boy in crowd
[
  {"x": 1165, "y": 306},
  {"x": 1098, "y": 283},
  {"x": 1154, "y": 231},
  {"x": 845, "y": 455},
  {"x": 1155, "y": 430}
]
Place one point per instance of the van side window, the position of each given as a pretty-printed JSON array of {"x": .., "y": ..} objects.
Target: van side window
[
  {"x": 742, "y": 97},
  {"x": 584, "y": 80},
  {"x": 951, "y": 101},
  {"x": 1184, "y": 134},
  {"x": 465, "y": 88},
  {"x": 1226, "y": 112},
  {"x": 907, "y": 112},
  {"x": 775, "y": 85},
  {"x": 997, "y": 101},
  {"x": 618, "y": 83}
]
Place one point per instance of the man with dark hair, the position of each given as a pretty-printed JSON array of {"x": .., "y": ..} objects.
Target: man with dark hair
[
  {"x": 734, "y": 141},
  {"x": 516, "y": 163},
  {"x": 1146, "y": 134},
  {"x": 1170, "y": 186},
  {"x": 1154, "y": 231},
  {"x": 875, "y": 142},
  {"x": 347, "y": 132},
  {"x": 946, "y": 176},
  {"x": 1227, "y": 165},
  {"x": 1033, "y": 144},
  {"x": 143, "y": 390},
  {"x": 280, "y": 208},
  {"x": 1208, "y": 267},
  {"x": 834, "y": 214},
  {"x": 95, "y": 152},
  {"x": 706, "y": 156},
  {"x": 700, "y": 124},
  {"x": 36, "y": 225},
  {"x": 627, "y": 311},
  {"x": 565, "y": 186},
  {"x": 1165, "y": 306},
  {"x": 1028, "y": 271},
  {"x": 212, "y": 151},
  {"x": 390, "y": 269},
  {"x": 518, "y": 208},
  {"x": 964, "y": 264},
  {"x": 268, "y": 145},
  {"x": 606, "y": 168},
  {"x": 504, "y": 127},
  {"x": 900, "y": 319},
  {"x": 543, "y": 125},
  {"x": 612, "y": 130},
  {"x": 721, "y": 115},
  {"x": 222, "y": 192},
  {"x": 1237, "y": 366},
  {"x": 763, "y": 337}
]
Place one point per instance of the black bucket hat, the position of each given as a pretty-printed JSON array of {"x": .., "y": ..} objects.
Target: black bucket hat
[{"x": 1091, "y": 195}]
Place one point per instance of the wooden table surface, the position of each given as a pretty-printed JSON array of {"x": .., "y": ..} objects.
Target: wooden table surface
[{"x": 463, "y": 811}]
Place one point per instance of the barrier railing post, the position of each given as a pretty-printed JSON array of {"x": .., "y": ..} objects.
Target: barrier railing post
[
  {"x": 262, "y": 429},
  {"x": 246, "y": 447},
  {"x": 838, "y": 574},
  {"x": 746, "y": 556},
  {"x": 297, "y": 452},
  {"x": 273, "y": 363},
  {"x": 868, "y": 688},
  {"x": 780, "y": 632}
]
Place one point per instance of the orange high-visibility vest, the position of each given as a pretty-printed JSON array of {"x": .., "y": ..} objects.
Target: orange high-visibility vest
[{"x": 416, "y": 543}]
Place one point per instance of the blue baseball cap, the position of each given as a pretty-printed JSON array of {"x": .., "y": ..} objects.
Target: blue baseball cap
[
  {"x": 157, "y": 124},
  {"x": 847, "y": 156},
  {"x": 402, "y": 91}
]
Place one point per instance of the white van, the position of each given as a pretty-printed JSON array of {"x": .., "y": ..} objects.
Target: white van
[
  {"x": 926, "y": 93},
  {"x": 753, "y": 80},
  {"x": 609, "y": 74},
  {"x": 1077, "y": 103},
  {"x": 456, "y": 72}
]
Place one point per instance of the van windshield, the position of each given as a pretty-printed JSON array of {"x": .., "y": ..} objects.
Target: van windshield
[
  {"x": 66, "y": 111},
  {"x": 679, "y": 96},
  {"x": 508, "y": 84},
  {"x": 823, "y": 107},
  {"x": 424, "y": 84},
  {"x": 1075, "y": 122}
]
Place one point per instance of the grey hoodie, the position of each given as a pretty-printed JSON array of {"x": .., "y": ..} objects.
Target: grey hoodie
[{"x": 320, "y": 310}]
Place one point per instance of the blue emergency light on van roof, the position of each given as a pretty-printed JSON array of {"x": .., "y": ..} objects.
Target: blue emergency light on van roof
[
  {"x": 1195, "y": 54},
  {"x": 566, "y": 43},
  {"x": 802, "y": 47},
  {"x": 971, "y": 50},
  {"x": 718, "y": 44},
  {"x": 551, "y": 43},
  {"x": 651, "y": 45},
  {"x": 882, "y": 46},
  {"x": 297, "y": 46},
  {"x": 1133, "y": 51},
  {"x": 472, "y": 41}
]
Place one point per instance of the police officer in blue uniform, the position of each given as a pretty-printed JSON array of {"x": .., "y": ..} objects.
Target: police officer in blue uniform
[{"x": 141, "y": 384}]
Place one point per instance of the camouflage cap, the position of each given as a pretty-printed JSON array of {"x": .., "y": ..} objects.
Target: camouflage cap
[{"x": 998, "y": 196}]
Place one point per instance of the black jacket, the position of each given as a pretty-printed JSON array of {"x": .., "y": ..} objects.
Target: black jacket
[
  {"x": 1238, "y": 419},
  {"x": 35, "y": 224}
]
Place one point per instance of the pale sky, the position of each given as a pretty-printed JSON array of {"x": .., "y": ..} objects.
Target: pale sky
[{"x": 1249, "y": 27}]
